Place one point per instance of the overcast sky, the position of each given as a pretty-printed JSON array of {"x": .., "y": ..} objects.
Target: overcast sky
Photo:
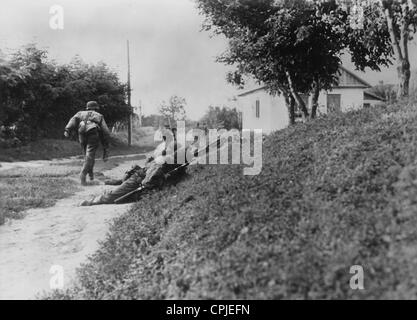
[{"x": 169, "y": 54}]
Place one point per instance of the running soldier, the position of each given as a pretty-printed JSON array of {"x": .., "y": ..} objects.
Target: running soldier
[{"x": 92, "y": 129}]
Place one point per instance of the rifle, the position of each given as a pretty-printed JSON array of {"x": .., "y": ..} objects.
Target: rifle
[
  {"x": 128, "y": 194},
  {"x": 118, "y": 200},
  {"x": 143, "y": 187}
]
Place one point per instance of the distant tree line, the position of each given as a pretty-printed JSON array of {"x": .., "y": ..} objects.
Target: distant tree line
[
  {"x": 221, "y": 118},
  {"x": 38, "y": 95},
  {"x": 215, "y": 117}
]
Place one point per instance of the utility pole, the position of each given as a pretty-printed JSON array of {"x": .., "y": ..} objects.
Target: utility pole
[
  {"x": 140, "y": 113},
  {"x": 129, "y": 122}
]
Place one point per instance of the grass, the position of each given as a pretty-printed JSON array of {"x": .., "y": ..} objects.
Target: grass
[
  {"x": 26, "y": 188},
  {"x": 44, "y": 149},
  {"x": 47, "y": 149},
  {"x": 334, "y": 192},
  {"x": 18, "y": 196}
]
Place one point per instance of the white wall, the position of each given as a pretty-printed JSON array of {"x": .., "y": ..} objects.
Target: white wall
[
  {"x": 351, "y": 99},
  {"x": 273, "y": 112},
  {"x": 279, "y": 113}
]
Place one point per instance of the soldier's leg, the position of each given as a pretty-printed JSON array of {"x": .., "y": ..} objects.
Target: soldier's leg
[
  {"x": 83, "y": 148},
  {"x": 90, "y": 155},
  {"x": 129, "y": 185},
  {"x": 113, "y": 182},
  {"x": 126, "y": 176},
  {"x": 83, "y": 143},
  {"x": 92, "y": 150}
]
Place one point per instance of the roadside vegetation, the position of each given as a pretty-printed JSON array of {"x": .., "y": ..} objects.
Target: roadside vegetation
[
  {"x": 334, "y": 192},
  {"x": 38, "y": 96},
  {"x": 31, "y": 192},
  {"x": 26, "y": 188},
  {"x": 44, "y": 149}
]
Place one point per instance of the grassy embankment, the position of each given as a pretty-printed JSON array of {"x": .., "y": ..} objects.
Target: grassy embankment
[
  {"x": 25, "y": 188},
  {"x": 335, "y": 192}
]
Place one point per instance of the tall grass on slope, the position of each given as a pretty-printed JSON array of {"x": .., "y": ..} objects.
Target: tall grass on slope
[{"x": 335, "y": 192}]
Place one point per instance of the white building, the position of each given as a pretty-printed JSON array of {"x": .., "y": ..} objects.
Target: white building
[{"x": 260, "y": 110}]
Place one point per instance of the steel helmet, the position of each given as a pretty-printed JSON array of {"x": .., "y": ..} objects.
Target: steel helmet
[{"x": 92, "y": 105}]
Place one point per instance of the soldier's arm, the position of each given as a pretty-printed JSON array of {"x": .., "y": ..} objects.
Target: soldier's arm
[
  {"x": 106, "y": 133},
  {"x": 154, "y": 177},
  {"x": 130, "y": 172},
  {"x": 72, "y": 124}
]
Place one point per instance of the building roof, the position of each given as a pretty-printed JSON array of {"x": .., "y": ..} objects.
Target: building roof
[
  {"x": 251, "y": 91},
  {"x": 372, "y": 96},
  {"x": 347, "y": 79}
]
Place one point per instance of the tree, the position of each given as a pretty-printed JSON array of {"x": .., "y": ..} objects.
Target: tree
[
  {"x": 399, "y": 18},
  {"x": 292, "y": 46},
  {"x": 173, "y": 110},
  {"x": 225, "y": 118},
  {"x": 413, "y": 83},
  {"x": 386, "y": 91},
  {"x": 9, "y": 79},
  {"x": 152, "y": 120},
  {"x": 38, "y": 96}
]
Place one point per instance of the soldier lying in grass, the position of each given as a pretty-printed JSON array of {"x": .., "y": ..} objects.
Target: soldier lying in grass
[{"x": 153, "y": 175}]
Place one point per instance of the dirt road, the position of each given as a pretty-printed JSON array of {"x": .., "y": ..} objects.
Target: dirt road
[{"x": 59, "y": 237}]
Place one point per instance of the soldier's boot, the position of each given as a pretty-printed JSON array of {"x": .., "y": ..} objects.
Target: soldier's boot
[
  {"x": 91, "y": 175},
  {"x": 85, "y": 203},
  {"x": 83, "y": 179},
  {"x": 94, "y": 201}
]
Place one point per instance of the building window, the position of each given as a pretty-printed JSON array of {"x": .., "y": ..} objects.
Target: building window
[
  {"x": 333, "y": 102},
  {"x": 257, "y": 108}
]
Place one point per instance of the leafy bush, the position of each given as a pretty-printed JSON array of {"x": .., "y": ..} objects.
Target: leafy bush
[
  {"x": 38, "y": 96},
  {"x": 334, "y": 192}
]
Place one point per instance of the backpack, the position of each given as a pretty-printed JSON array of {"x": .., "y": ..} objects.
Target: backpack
[{"x": 88, "y": 125}]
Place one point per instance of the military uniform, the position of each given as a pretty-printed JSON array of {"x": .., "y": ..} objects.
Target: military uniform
[
  {"x": 153, "y": 176},
  {"x": 130, "y": 183},
  {"x": 92, "y": 129}
]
